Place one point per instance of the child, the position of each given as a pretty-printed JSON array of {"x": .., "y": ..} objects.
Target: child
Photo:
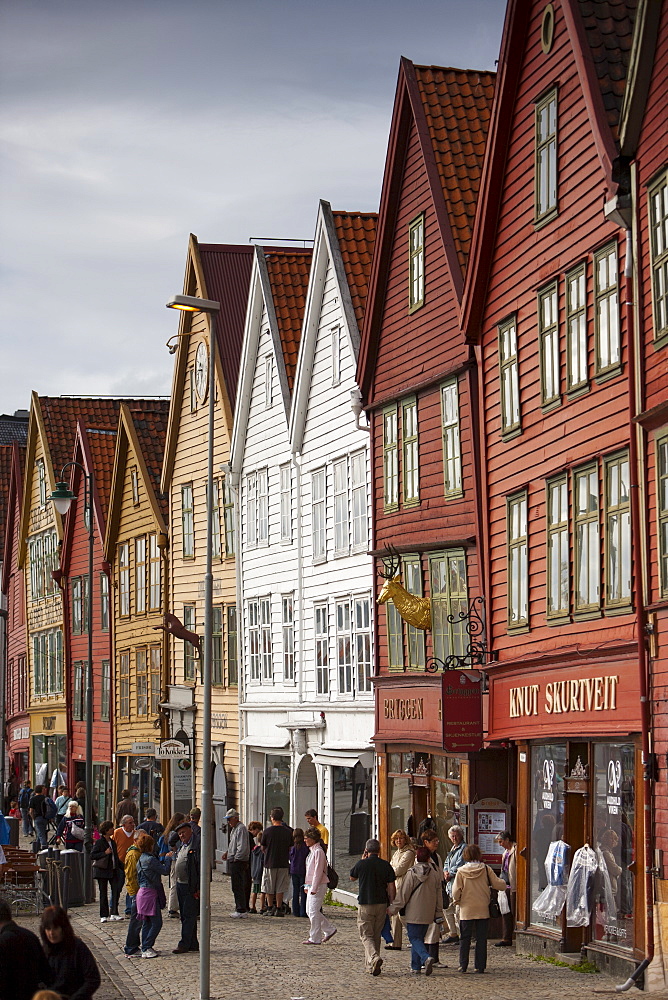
[
  {"x": 257, "y": 865},
  {"x": 298, "y": 853},
  {"x": 14, "y": 810}
]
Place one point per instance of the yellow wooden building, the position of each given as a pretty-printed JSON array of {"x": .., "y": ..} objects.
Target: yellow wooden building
[
  {"x": 222, "y": 273},
  {"x": 137, "y": 550}
]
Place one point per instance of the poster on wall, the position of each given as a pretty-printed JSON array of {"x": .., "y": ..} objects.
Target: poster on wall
[{"x": 490, "y": 818}]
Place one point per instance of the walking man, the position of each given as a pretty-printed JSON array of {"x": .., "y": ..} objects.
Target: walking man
[
  {"x": 312, "y": 821},
  {"x": 276, "y": 843},
  {"x": 377, "y": 891},
  {"x": 125, "y": 837},
  {"x": 238, "y": 858},
  {"x": 453, "y": 862},
  {"x": 25, "y": 796},
  {"x": 38, "y": 814},
  {"x": 186, "y": 873}
]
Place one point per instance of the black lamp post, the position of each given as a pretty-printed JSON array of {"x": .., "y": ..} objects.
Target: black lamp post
[{"x": 62, "y": 497}]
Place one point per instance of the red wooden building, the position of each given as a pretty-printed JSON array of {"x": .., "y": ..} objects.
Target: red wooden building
[
  {"x": 543, "y": 304},
  {"x": 418, "y": 379}
]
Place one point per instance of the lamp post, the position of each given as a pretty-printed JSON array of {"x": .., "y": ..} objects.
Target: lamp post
[
  {"x": 62, "y": 497},
  {"x": 189, "y": 303}
]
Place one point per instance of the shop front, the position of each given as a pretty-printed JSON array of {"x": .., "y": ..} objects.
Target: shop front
[
  {"x": 49, "y": 748},
  {"x": 18, "y": 747},
  {"x": 575, "y": 730}
]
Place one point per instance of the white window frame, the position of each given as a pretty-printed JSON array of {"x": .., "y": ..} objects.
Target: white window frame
[
  {"x": 558, "y": 548},
  {"x": 155, "y": 574},
  {"x": 253, "y": 632},
  {"x": 321, "y": 635},
  {"x": 452, "y": 448},
  {"x": 546, "y": 169},
  {"x": 362, "y": 643},
  {"x": 251, "y": 510},
  {"x": 410, "y": 448},
  {"x": 344, "y": 648},
  {"x": 517, "y": 536},
  {"x": 576, "y": 329},
  {"x": 288, "y": 616},
  {"x": 606, "y": 309},
  {"x": 319, "y": 515},
  {"x": 511, "y": 414},
  {"x": 359, "y": 502},
  {"x": 124, "y": 595},
  {"x": 416, "y": 266},
  {"x": 268, "y": 381},
  {"x": 266, "y": 650},
  {"x": 341, "y": 507},
  {"x": 618, "y": 582},
  {"x": 586, "y": 504},
  {"x": 548, "y": 334},
  {"x": 140, "y": 575},
  {"x": 391, "y": 457},
  {"x": 658, "y": 249},
  {"x": 263, "y": 507},
  {"x": 336, "y": 355},
  {"x": 285, "y": 473},
  {"x": 187, "y": 521}
]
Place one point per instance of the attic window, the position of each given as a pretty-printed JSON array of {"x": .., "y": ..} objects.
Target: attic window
[
  {"x": 416, "y": 264},
  {"x": 547, "y": 29},
  {"x": 135, "y": 486}
]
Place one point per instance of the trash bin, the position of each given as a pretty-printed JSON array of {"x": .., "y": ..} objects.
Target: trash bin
[
  {"x": 73, "y": 859},
  {"x": 13, "y": 824}
]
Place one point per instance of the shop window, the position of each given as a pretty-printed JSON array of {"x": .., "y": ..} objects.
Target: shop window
[
  {"x": 548, "y": 766},
  {"x": 277, "y": 784},
  {"x": 351, "y": 823},
  {"x": 446, "y": 805},
  {"x": 399, "y": 803},
  {"x": 614, "y": 819}
]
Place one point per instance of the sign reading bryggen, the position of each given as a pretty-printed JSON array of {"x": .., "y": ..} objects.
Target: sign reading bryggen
[{"x": 408, "y": 712}]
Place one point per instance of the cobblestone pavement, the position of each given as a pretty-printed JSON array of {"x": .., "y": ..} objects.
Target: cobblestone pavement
[{"x": 264, "y": 956}]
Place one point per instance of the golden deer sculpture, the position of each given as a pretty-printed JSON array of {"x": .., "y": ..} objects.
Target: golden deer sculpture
[{"x": 413, "y": 609}]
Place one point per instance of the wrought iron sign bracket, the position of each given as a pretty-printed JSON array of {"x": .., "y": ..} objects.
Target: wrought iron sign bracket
[{"x": 476, "y": 654}]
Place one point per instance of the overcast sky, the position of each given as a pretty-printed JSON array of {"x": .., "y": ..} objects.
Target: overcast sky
[{"x": 127, "y": 124}]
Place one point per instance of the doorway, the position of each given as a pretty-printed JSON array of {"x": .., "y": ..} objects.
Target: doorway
[{"x": 306, "y": 791}]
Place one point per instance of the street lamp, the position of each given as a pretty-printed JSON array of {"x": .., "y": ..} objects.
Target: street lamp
[
  {"x": 62, "y": 497},
  {"x": 189, "y": 303}
]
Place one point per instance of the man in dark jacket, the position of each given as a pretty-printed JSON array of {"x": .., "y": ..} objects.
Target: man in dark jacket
[
  {"x": 186, "y": 872},
  {"x": 151, "y": 825},
  {"x": 23, "y": 964}
]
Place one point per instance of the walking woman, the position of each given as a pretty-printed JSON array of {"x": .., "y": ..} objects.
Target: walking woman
[
  {"x": 315, "y": 887},
  {"x": 471, "y": 891},
  {"x": 108, "y": 871},
  {"x": 402, "y": 859},
  {"x": 75, "y": 973},
  {"x": 167, "y": 842},
  {"x": 150, "y": 898},
  {"x": 71, "y": 828},
  {"x": 422, "y": 897}
]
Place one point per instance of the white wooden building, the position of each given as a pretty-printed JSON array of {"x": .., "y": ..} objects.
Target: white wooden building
[{"x": 305, "y": 584}]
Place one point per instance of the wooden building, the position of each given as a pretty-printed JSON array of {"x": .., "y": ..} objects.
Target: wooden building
[
  {"x": 419, "y": 383},
  {"x": 136, "y": 552},
  {"x": 221, "y": 273}
]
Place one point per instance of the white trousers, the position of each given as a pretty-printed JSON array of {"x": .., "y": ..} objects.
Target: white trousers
[{"x": 321, "y": 926}]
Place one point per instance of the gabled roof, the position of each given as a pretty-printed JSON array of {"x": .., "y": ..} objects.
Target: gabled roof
[
  {"x": 94, "y": 449},
  {"x": 347, "y": 239},
  {"x": 221, "y": 272},
  {"x": 14, "y": 427},
  {"x": 278, "y": 285},
  {"x": 14, "y": 494},
  {"x": 600, "y": 33},
  {"x": 639, "y": 74},
  {"x": 146, "y": 431},
  {"x": 450, "y": 110},
  {"x": 6, "y": 461}
]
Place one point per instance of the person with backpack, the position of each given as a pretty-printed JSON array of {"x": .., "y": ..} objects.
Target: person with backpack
[
  {"x": 38, "y": 814},
  {"x": 315, "y": 887},
  {"x": 25, "y": 796},
  {"x": 50, "y": 808}
]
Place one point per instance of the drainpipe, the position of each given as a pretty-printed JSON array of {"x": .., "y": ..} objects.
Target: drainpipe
[{"x": 620, "y": 210}]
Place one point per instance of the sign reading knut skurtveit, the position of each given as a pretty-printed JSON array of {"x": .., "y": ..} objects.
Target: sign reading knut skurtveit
[{"x": 172, "y": 750}]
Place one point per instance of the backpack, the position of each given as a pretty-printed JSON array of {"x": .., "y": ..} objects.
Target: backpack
[
  {"x": 332, "y": 878},
  {"x": 49, "y": 810},
  {"x": 25, "y": 796}
]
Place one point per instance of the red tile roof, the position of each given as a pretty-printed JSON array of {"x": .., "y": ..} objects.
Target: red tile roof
[
  {"x": 356, "y": 232},
  {"x": 227, "y": 271},
  {"x": 151, "y": 426},
  {"x": 288, "y": 277},
  {"x": 457, "y": 105},
  {"x": 609, "y": 30},
  {"x": 102, "y": 445},
  {"x": 61, "y": 414}
]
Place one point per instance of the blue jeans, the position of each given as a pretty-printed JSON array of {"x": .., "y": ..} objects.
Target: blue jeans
[
  {"x": 419, "y": 953},
  {"x": 189, "y": 910},
  {"x": 27, "y": 822},
  {"x": 134, "y": 929},
  {"x": 298, "y": 896},
  {"x": 386, "y": 932},
  {"x": 129, "y": 902},
  {"x": 150, "y": 929},
  {"x": 466, "y": 929},
  {"x": 40, "y": 830}
]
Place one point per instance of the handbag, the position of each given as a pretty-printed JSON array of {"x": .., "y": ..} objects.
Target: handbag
[
  {"x": 494, "y": 908},
  {"x": 76, "y": 832}
]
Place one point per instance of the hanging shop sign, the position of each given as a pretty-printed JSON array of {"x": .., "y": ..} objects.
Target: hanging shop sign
[
  {"x": 462, "y": 711},
  {"x": 408, "y": 712},
  {"x": 172, "y": 750},
  {"x": 144, "y": 748}
]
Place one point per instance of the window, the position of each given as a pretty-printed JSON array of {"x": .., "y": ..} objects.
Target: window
[
  {"x": 360, "y": 536},
  {"x": 142, "y": 681},
  {"x": 321, "y": 629},
  {"x": 268, "y": 382},
  {"x": 548, "y": 331},
  {"x": 217, "y": 645},
  {"x": 140, "y": 575},
  {"x": 617, "y": 532},
  {"x": 658, "y": 228},
  {"x": 41, "y": 481},
  {"x": 228, "y": 517},
  {"x": 232, "y": 653},
  {"x": 518, "y": 561},
  {"x": 558, "y": 554},
  {"x": 341, "y": 526},
  {"x": 414, "y": 636},
  {"x": 215, "y": 542},
  {"x": 104, "y": 602},
  {"x": 286, "y": 503},
  {"x": 395, "y": 642},
  {"x": 253, "y": 609},
  {"x": 44, "y": 559},
  {"x": 319, "y": 515},
  {"x": 416, "y": 263},
  {"x": 411, "y": 484},
  {"x": 390, "y": 458},
  {"x": 48, "y": 663},
  {"x": 78, "y": 693},
  {"x": 606, "y": 299},
  {"x": 344, "y": 658},
  {"x": 155, "y": 575},
  {"x": 288, "y": 638},
  {"x": 546, "y": 157},
  {"x": 189, "y": 621},
  {"x": 336, "y": 355},
  {"x": 124, "y": 579},
  {"x": 80, "y": 605},
  {"x": 448, "y": 599},
  {"x": 586, "y": 543},
  {"x": 362, "y": 642},
  {"x": 187, "y": 523},
  {"x": 262, "y": 507},
  {"x": 192, "y": 389},
  {"x": 135, "y": 487},
  {"x": 576, "y": 329},
  {"x": 155, "y": 663},
  {"x": 510, "y": 382},
  {"x": 124, "y": 684},
  {"x": 662, "y": 511},
  {"x": 105, "y": 691},
  {"x": 265, "y": 639},
  {"x": 251, "y": 508},
  {"x": 452, "y": 456}
]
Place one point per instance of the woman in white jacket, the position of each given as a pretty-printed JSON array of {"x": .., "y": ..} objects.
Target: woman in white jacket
[{"x": 315, "y": 887}]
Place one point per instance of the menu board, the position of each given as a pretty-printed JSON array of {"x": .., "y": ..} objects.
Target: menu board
[{"x": 490, "y": 818}]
